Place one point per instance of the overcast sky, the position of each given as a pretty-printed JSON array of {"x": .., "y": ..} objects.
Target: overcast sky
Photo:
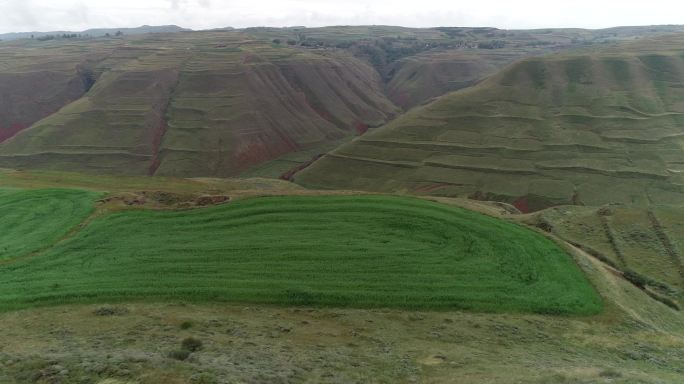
[{"x": 76, "y": 15}]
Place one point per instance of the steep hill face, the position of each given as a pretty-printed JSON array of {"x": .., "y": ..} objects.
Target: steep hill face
[
  {"x": 35, "y": 83},
  {"x": 587, "y": 128},
  {"x": 202, "y": 104},
  {"x": 419, "y": 78},
  {"x": 418, "y": 64},
  {"x": 266, "y": 101}
]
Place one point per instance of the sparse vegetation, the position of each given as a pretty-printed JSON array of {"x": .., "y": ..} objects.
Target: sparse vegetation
[
  {"x": 180, "y": 354},
  {"x": 110, "y": 311},
  {"x": 191, "y": 344},
  {"x": 610, "y": 373},
  {"x": 186, "y": 325}
]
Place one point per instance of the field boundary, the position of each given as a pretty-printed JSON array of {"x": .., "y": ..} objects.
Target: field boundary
[
  {"x": 611, "y": 239},
  {"x": 666, "y": 242}
]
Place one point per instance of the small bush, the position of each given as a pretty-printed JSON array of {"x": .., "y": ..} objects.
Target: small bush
[
  {"x": 605, "y": 211},
  {"x": 545, "y": 226},
  {"x": 191, "y": 344},
  {"x": 110, "y": 311},
  {"x": 180, "y": 354},
  {"x": 203, "y": 378},
  {"x": 610, "y": 372},
  {"x": 186, "y": 325}
]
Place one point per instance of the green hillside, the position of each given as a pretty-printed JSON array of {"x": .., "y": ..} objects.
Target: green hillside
[
  {"x": 36, "y": 80},
  {"x": 588, "y": 128},
  {"x": 358, "y": 251}
]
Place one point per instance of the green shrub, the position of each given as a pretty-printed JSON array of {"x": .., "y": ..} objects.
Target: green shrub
[
  {"x": 610, "y": 372},
  {"x": 186, "y": 325},
  {"x": 180, "y": 354},
  {"x": 191, "y": 344}
]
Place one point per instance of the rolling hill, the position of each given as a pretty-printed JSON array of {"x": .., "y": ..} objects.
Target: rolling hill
[
  {"x": 588, "y": 127},
  {"x": 258, "y": 101},
  {"x": 95, "y": 32}
]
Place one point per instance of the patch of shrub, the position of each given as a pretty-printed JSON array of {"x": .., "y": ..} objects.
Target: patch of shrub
[
  {"x": 191, "y": 344},
  {"x": 664, "y": 299},
  {"x": 203, "y": 378},
  {"x": 180, "y": 354},
  {"x": 494, "y": 44},
  {"x": 110, "y": 311},
  {"x": 605, "y": 211},
  {"x": 635, "y": 278},
  {"x": 545, "y": 226},
  {"x": 186, "y": 325},
  {"x": 610, "y": 372}
]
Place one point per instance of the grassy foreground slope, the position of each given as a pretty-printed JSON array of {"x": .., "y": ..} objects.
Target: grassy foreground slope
[
  {"x": 547, "y": 130},
  {"x": 34, "y": 219},
  {"x": 363, "y": 251}
]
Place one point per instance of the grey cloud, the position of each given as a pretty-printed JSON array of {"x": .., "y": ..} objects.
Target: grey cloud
[{"x": 25, "y": 15}]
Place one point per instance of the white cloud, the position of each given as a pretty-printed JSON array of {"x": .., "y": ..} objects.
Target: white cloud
[{"x": 25, "y": 15}]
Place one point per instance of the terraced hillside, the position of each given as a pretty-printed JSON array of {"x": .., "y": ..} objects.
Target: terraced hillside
[
  {"x": 417, "y": 79},
  {"x": 588, "y": 128},
  {"x": 36, "y": 82},
  {"x": 201, "y": 104},
  {"x": 260, "y": 101},
  {"x": 419, "y": 64}
]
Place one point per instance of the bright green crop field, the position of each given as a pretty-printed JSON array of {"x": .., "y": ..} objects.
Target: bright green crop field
[
  {"x": 355, "y": 251},
  {"x": 34, "y": 219}
]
